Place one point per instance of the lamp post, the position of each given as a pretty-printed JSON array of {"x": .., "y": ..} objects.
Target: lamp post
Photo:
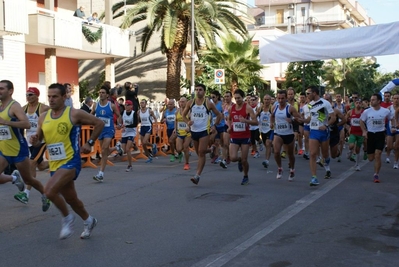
[
  {"x": 309, "y": 22},
  {"x": 192, "y": 51}
]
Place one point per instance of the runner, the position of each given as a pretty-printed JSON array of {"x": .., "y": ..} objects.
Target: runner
[
  {"x": 13, "y": 145},
  {"x": 389, "y": 134},
  {"x": 169, "y": 117},
  {"x": 226, "y": 136},
  {"x": 33, "y": 109},
  {"x": 199, "y": 110},
  {"x": 183, "y": 135},
  {"x": 372, "y": 122},
  {"x": 266, "y": 131},
  {"x": 216, "y": 137},
  {"x": 393, "y": 108},
  {"x": 59, "y": 128},
  {"x": 105, "y": 111},
  {"x": 282, "y": 117},
  {"x": 147, "y": 117},
  {"x": 129, "y": 119},
  {"x": 321, "y": 117},
  {"x": 241, "y": 116},
  {"x": 301, "y": 141},
  {"x": 356, "y": 138},
  {"x": 255, "y": 134},
  {"x": 341, "y": 107}
]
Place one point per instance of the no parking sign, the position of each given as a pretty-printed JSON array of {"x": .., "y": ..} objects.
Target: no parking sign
[{"x": 219, "y": 76}]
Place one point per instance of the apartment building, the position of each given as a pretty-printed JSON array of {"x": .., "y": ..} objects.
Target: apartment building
[
  {"x": 276, "y": 17},
  {"x": 41, "y": 42}
]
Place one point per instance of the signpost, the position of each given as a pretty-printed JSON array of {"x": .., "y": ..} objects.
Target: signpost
[{"x": 219, "y": 76}]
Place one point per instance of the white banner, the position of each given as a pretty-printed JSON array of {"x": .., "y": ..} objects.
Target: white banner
[{"x": 375, "y": 40}]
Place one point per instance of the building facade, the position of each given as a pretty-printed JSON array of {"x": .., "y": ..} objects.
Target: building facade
[{"x": 302, "y": 16}]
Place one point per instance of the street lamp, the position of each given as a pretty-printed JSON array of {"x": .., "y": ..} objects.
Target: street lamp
[{"x": 192, "y": 50}]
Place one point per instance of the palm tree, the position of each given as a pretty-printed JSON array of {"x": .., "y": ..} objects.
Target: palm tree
[
  {"x": 172, "y": 18},
  {"x": 239, "y": 58}
]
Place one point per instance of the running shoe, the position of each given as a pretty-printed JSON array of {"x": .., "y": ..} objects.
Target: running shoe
[
  {"x": 306, "y": 156},
  {"x": 46, "y": 203},
  {"x": 265, "y": 164},
  {"x": 245, "y": 181},
  {"x": 186, "y": 167},
  {"x": 223, "y": 164},
  {"x": 149, "y": 160},
  {"x": 376, "y": 178},
  {"x": 395, "y": 166},
  {"x": 261, "y": 146},
  {"x": 279, "y": 173},
  {"x": 67, "y": 226},
  {"x": 300, "y": 152},
  {"x": 87, "y": 228},
  {"x": 292, "y": 175},
  {"x": 195, "y": 179},
  {"x": 154, "y": 149},
  {"x": 314, "y": 182},
  {"x": 118, "y": 147},
  {"x": 212, "y": 153},
  {"x": 252, "y": 152},
  {"x": 180, "y": 156},
  {"x": 320, "y": 161},
  {"x": 98, "y": 178},
  {"x": 256, "y": 155},
  {"x": 357, "y": 168},
  {"x": 129, "y": 168},
  {"x": 387, "y": 160},
  {"x": 22, "y": 197},
  {"x": 218, "y": 160},
  {"x": 339, "y": 159},
  {"x": 283, "y": 154},
  {"x": 328, "y": 175},
  {"x": 18, "y": 181},
  {"x": 172, "y": 158},
  {"x": 353, "y": 158},
  {"x": 240, "y": 168}
]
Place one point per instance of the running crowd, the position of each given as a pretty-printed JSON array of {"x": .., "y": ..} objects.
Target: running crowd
[{"x": 315, "y": 127}]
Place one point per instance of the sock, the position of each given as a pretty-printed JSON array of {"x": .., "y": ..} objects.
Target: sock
[
  {"x": 14, "y": 178},
  {"x": 89, "y": 220},
  {"x": 357, "y": 159},
  {"x": 27, "y": 191},
  {"x": 314, "y": 176},
  {"x": 245, "y": 176},
  {"x": 100, "y": 173},
  {"x": 327, "y": 161}
]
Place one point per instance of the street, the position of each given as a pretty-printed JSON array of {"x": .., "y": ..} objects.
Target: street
[{"x": 154, "y": 216}]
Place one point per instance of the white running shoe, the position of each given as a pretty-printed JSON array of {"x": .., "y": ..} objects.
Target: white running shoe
[
  {"x": 395, "y": 166},
  {"x": 279, "y": 173},
  {"x": 67, "y": 226},
  {"x": 292, "y": 175},
  {"x": 88, "y": 228},
  {"x": 18, "y": 181},
  {"x": 387, "y": 160},
  {"x": 357, "y": 168},
  {"x": 118, "y": 147}
]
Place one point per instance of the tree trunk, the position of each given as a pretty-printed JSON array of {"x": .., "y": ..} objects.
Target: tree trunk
[{"x": 173, "y": 74}]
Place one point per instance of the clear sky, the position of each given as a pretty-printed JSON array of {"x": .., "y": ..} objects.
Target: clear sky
[{"x": 381, "y": 11}]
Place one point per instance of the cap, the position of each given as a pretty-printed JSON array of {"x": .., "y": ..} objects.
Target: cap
[
  {"x": 33, "y": 90},
  {"x": 128, "y": 102}
]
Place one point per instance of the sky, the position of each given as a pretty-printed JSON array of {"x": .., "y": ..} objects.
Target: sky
[{"x": 381, "y": 11}]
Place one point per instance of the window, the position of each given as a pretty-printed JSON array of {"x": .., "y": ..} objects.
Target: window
[{"x": 279, "y": 16}]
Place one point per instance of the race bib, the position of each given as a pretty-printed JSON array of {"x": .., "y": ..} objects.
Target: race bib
[
  {"x": 238, "y": 126},
  {"x": 33, "y": 124},
  {"x": 127, "y": 122},
  {"x": 378, "y": 122},
  {"x": 145, "y": 119},
  {"x": 198, "y": 116},
  {"x": 265, "y": 125},
  {"x": 314, "y": 125},
  {"x": 355, "y": 122},
  {"x": 170, "y": 118},
  {"x": 181, "y": 125},
  {"x": 106, "y": 121},
  {"x": 56, "y": 151},
  {"x": 5, "y": 133},
  {"x": 282, "y": 126}
]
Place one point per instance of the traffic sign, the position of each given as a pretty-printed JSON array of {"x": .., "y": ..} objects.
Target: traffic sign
[{"x": 219, "y": 76}]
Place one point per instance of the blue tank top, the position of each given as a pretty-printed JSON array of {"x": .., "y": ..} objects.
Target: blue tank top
[
  {"x": 106, "y": 114},
  {"x": 170, "y": 116},
  {"x": 220, "y": 108}
]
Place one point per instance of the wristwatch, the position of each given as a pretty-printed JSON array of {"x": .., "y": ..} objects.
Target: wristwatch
[{"x": 91, "y": 142}]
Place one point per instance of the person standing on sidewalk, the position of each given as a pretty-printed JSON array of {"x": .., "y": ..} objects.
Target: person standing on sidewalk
[
  {"x": 199, "y": 122},
  {"x": 13, "y": 145},
  {"x": 372, "y": 122},
  {"x": 241, "y": 116},
  {"x": 59, "y": 127}
]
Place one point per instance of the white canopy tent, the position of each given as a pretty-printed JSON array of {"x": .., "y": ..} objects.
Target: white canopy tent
[{"x": 376, "y": 40}]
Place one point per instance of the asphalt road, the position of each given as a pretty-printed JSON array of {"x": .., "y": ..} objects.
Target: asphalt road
[{"x": 154, "y": 216}]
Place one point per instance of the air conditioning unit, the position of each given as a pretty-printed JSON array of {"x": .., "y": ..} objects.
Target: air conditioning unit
[{"x": 291, "y": 6}]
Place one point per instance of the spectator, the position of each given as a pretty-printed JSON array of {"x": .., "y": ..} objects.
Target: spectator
[
  {"x": 113, "y": 94},
  {"x": 80, "y": 12},
  {"x": 121, "y": 104},
  {"x": 68, "y": 100},
  {"x": 87, "y": 104},
  {"x": 131, "y": 94},
  {"x": 93, "y": 18}
]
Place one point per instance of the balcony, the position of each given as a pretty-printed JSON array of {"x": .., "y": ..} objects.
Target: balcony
[
  {"x": 48, "y": 29},
  {"x": 14, "y": 17}
]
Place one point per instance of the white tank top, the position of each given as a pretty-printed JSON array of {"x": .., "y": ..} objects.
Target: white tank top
[
  {"x": 145, "y": 118},
  {"x": 282, "y": 126},
  {"x": 264, "y": 120},
  {"x": 201, "y": 118}
]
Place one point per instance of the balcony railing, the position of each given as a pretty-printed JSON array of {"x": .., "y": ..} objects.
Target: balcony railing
[
  {"x": 13, "y": 17},
  {"x": 51, "y": 29}
]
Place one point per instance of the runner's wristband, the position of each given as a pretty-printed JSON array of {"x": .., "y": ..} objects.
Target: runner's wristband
[{"x": 91, "y": 142}]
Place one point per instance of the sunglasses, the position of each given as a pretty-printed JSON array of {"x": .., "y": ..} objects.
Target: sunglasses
[{"x": 30, "y": 94}]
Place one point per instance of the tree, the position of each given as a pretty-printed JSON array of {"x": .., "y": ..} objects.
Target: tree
[
  {"x": 350, "y": 75},
  {"x": 239, "y": 59},
  {"x": 301, "y": 75},
  {"x": 172, "y": 18}
]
